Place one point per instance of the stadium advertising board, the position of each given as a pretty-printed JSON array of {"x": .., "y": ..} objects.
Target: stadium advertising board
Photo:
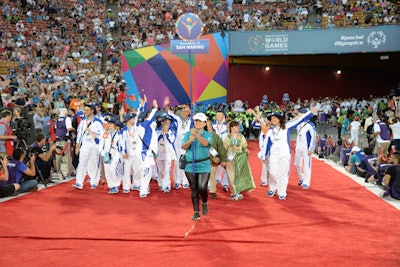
[{"x": 326, "y": 41}]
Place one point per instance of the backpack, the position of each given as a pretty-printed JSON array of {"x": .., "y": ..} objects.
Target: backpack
[
  {"x": 61, "y": 128},
  {"x": 370, "y": 129}
]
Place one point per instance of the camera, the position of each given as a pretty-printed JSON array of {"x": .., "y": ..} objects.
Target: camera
[
  {"x": 21, "y": 127},
  {"x": 3, "y": 156},
  {"x": 30, "y": 152}
]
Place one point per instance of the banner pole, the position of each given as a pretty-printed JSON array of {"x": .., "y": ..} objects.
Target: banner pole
[{"x": 191, "y": 100}]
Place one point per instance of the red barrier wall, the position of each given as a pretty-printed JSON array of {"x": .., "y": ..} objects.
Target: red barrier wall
[{"x": 251, "y": 82}]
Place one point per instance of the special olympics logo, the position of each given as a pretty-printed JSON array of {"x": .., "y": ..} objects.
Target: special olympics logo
[
  {"x": 256, "y": 43},
  {"x": 376, "y": 39},
  {"x": 189, "y": 26}
]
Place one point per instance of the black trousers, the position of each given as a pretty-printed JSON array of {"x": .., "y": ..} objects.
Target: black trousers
[
  {"x": 45, "y": 169},
  {"x": 198, "y": 185}
]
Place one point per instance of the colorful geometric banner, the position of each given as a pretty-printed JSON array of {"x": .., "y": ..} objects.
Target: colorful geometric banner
[{"x": 158, "y": 73}]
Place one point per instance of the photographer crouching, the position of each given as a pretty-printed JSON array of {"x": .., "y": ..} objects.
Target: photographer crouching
[
  {"x": 20, "y": 173},
  {"x": 6, "y": 189},
  {"x": 43, "y": 159}
]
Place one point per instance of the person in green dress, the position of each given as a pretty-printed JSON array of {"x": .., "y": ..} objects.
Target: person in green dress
[{"x": 237, "y": 163}]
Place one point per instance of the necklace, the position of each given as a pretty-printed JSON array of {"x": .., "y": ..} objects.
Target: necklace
[
  {"x": 184, "y": 123},
  {"x": 276, "y": 133},
  {"x": 234, "y": 141}
]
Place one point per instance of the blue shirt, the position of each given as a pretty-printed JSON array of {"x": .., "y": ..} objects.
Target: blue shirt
[
  {"x": 16, "y": 171},
  {"x": 200, "y": 153}
]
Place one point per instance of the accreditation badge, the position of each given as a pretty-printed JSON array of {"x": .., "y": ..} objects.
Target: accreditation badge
[
  {"x": 88, "y": 135},
  {"x": 231, "y": 156}
]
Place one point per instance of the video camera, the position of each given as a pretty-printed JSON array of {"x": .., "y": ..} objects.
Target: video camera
[{"x": 21, "y": 127}]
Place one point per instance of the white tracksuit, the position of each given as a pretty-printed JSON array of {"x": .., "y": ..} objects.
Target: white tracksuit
[
  {"x": 264, "y": 161},
  {"x": 277, "y": 148},
  {"x": 305, "y": 142},
  {"x": 149, "y": 149},
  {"x": 131, "y": 145},
  {"x": 166, "y": 154},
  {"x": 89, "y": 161},
  {"x": 221, "y": 174},
  {"x": 183, "y": 127},
  {"x": 109, "y": 143}
]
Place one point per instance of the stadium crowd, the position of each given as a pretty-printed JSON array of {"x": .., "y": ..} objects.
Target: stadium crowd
[{"x": 63, "y": 61}]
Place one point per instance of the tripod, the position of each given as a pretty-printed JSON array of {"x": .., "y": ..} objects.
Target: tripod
[
  {"x": 22, "y": 144},
  {"x": 40, "y": 176}
]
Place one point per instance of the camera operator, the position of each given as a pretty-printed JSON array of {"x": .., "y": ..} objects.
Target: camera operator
[
  {"x": 17, "y": 169},
  {"x": 43, "y": 160},
  {"x": 6, "y": 135},
  {"x": 6, "y": 190},
  {"x": 63, "y": 131},
  {"x": 19, "y": 125}
]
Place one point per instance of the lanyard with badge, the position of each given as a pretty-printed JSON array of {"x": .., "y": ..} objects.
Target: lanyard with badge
[{"x": 86, "y": 133}]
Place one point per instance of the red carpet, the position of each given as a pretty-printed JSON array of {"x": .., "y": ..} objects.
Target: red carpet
[{"x": 334, "y": 223}]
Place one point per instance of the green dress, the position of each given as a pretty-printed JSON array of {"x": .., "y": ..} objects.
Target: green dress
[{"x": 244, "y": 181}]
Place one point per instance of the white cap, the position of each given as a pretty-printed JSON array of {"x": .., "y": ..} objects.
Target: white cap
[
  {"x": 200, "y": 116},
  {"x": 355, "y": 149},
  {"x": 63, "y": 112}
]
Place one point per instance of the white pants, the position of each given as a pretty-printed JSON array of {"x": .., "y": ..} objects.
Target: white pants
[
  {"x": 354, "y": 137},
  {"x": 164, "y": 173},
  {"x": 110, "y": 171},
  {"x": 147, "y": 165},
  {"x": 302, "y": 163},
  {"x": 264, "y": 172},
  {"x": 145, "y": 182},
  {"x": 179, "y": 174},
  {"x": 279, "y": 174},
  {"x": 132, "y": 164},
  {"x": 222, "y": 176},
  {"x": 88, "y": 163}
]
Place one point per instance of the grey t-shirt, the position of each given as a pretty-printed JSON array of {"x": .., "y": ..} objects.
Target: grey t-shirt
[{"x": 3, "y": 131}]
